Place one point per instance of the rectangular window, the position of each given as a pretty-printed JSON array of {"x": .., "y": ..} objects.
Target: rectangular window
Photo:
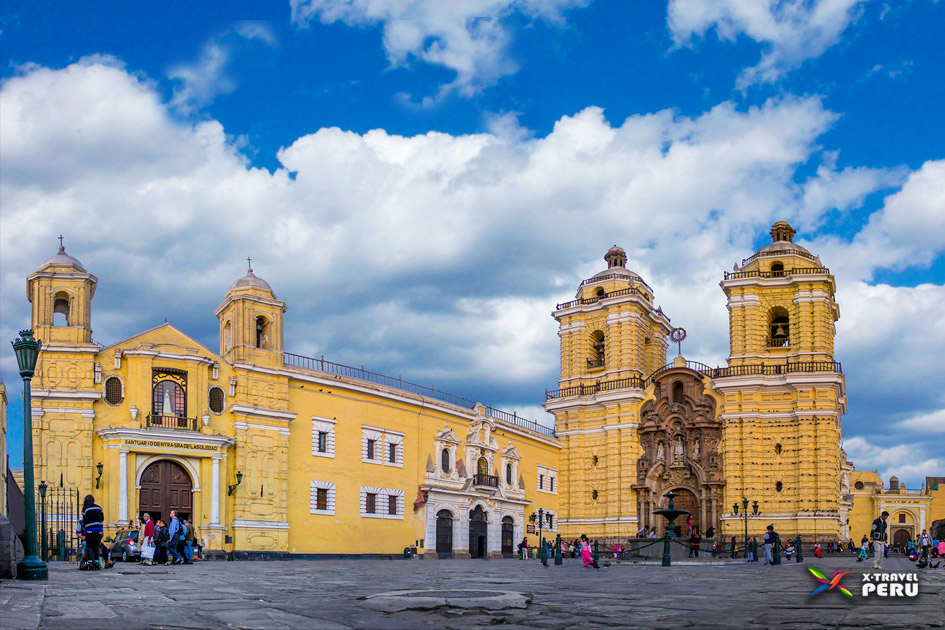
[
  {"x": 382, "y": 503},
  {"x": 370, "y": 503},
  {"x": 551, "y": 522},
  {"x": 541, "y": 482},
  {"x": 323, "y": 436},
  {"x": 392, "y": 505},
  {"x": 392, "y": 453},
  {"x": 370, "y": 448},
  {"x": 322, "y": 498},
  {"x": 322, "y": 442},
  {"x": 551, "y": 485},
  {"x": 546, "y": 480}
]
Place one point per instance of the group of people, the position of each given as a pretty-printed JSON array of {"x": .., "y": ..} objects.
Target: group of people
[
  {"x": 167, "y": 543},
  {"x": 580, "y": 547}
]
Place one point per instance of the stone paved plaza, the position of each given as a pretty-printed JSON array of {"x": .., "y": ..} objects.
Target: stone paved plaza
[{"x": 341, "y": 594}]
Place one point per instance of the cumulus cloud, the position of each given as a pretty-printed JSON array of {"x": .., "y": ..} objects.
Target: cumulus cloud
[
  {"x": 468, "y": 37},
  {"x": 791, "y": 31},
  {"x": 901, "y": 460},
  {"x": 201, "y": 81},
  {"x": 932, "y": 422},
  {"x": 440, "y": 257}
]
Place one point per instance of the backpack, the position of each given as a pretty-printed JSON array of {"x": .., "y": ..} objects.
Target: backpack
[{"x": 183, "y": 530}]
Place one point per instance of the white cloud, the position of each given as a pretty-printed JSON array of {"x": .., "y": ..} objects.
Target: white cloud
[
  {"x": 440, "y": 257},
  {"x": 902, "y": 460},
  {"x": 791, "y": 31},
  {"x": 200, "y": 82},
  {"x": 468, "y": 37},
  {"x": 932, "y": 422}
]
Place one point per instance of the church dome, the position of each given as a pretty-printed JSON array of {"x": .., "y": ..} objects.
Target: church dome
[
  {"x": 616, "y": 259},
  {"x": 782, "y": 241},
  {"x": 253, "y": 282},
  {"x": 62, "y": 259}
]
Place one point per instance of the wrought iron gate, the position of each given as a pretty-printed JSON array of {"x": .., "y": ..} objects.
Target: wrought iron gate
[{"x": 56, "y": 516}]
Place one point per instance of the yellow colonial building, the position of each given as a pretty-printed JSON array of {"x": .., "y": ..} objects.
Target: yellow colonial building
[
  {"x": 910, "y": 510},
  {"x": 272, "y": 453},
  {"x": 766, "y": 427}
]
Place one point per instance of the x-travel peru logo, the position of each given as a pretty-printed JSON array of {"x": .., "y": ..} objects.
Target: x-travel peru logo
[{"x": 434, "y": 314}]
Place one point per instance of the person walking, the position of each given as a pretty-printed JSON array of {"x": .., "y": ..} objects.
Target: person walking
[
  {"x": 878, "y": 534},
  {"x": 160, "y": 542},
  {"x": 189, "y": 538},
  {"x": 864, "y": 553},
  {"x": 173, "y": 534},
  {"x": 925, "y": 541},
  {"x": 93, "y": 520},
  {"x": 586, "y": 554},
  {"x": 147, "y": 539},
  {"x": 694, "y": 541},
  {"x": 769, "y": 544}
]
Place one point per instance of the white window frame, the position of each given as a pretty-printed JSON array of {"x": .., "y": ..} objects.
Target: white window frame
[
  {"x": 381, "y": 502},
  {"x": 322, "y": 485},
  {"x": 397, "y": 441},
  {"x": 378, "y": 437},
  {"x": 554, "y": 521},
  {"x": 323, "y": 425},
  {"x": 545, "y": 484}
]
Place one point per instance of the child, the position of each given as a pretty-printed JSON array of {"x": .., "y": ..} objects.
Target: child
[{"x": 864, "y": 551}]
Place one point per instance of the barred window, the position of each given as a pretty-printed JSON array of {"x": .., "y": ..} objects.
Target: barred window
[
  {"x": 322, "y": 441},
  {"x": 114, "y": 392},
  {"x": 370, "y": 503},
  {"x": 321, "y": 499},
  {"x": 370, "y": 448},
  {"x": 392, "y": 505},
  {"x": 217, "y": 400}
]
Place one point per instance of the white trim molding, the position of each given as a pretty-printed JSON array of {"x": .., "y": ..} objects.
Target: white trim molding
[
  {"x": 329, "y": 487},
  {"x": 379, "y": 502},
  {"x": 327, "y": 426},
  {"x": 247, "y": 524}
]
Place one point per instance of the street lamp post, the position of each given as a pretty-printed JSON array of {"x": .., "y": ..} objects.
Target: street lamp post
[
  {"x": 26, "y": 349},
  {"x": 745, "y": 516},
  {"x": 42, "y": 497},
  {"x": 542, "y": 552}
]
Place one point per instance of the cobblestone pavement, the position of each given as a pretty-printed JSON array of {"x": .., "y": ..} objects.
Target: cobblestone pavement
[{"x": 337, "y": 594}]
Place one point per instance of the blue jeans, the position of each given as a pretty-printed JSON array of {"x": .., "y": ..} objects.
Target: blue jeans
[
  {"x": 172, "y": 553},
  {"x": 188, "y": 552}
]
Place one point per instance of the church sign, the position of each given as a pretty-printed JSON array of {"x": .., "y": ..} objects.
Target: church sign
[{"x": 159, "y": 444}]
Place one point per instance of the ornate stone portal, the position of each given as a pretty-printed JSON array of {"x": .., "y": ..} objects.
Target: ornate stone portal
[{"x": 679, "y": 436}]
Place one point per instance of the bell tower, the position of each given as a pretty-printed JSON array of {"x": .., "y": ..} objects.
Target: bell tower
[
  {"x": 251, "y": 323},
  {"x": 612, "y": 338},
  {"x": 783, "y": 393},
  {"x": 61, "y": 293}
]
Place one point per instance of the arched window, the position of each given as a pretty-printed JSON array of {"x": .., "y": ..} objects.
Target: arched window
[
  {"x": 678, "y": 392},
  {"x": 596, "y": 360},
  {"x": 600, "y": 293},
  {"x": 169, "y": 400},
  {"x": 216, "y": 399},
  {"x": 445, "y": 460},
  {"x": 779, "y": 486},
  {"x": 262, "y": 333},
  {"x": 777, "y": 269},
  {"x": 227, "y": 336},
  {"x": 779, "y": 328},
  {"x": 61, "y": 307},
  {"x": 508, "y": 474},
  {"x": 777, "y": 448},
  {"x": 114, "y": 391},
  {"x": 482, "y": 467}
]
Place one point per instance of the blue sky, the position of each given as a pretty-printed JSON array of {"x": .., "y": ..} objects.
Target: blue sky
[{"x": 422, "y": 181}]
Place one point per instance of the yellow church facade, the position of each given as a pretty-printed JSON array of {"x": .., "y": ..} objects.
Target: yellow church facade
[{"x": 270, "y": 453}]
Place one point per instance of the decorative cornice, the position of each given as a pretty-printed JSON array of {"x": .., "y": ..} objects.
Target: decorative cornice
[
  {"x": 156, "y": 435},
  {"x": 268, "y": 414},
  {"x": 247, "y": 524},
  {"x": 242, "y": 426}
]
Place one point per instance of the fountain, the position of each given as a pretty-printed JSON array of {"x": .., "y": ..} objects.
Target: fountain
[{"x": 671, "y": 514}]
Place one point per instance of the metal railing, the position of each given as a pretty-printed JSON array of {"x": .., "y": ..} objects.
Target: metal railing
[
  {"x": 595, "y": 363},
  {"x": 718, "y": 372},
  {"x": 778, "y": 342},
  {"x": 329, "y": 367},
  {"x": 615, "y": 276},
  {"x": 486, "y": 480},
  {"x": 593, "y": 299},
  {"x": 732, "y": 275},
  {"x": 172, "y": 422}
]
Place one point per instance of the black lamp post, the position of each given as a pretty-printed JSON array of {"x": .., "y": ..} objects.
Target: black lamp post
[
  {"x": 542, "y": 554},
  {"x": 26, "y": 349},
  {"x": 746, "y": 516},
  {"x": 44, "y": 553}
]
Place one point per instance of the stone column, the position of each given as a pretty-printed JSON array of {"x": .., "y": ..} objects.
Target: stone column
[
  {"x": 122, "y": 487},
  {"x": 215, "y": 492}
]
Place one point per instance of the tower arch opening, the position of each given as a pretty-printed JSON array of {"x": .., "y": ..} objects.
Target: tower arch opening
[
  {"x": 62, "y": 305},
  {"x": 598, "y": 350},
  {"x": 779, "y": 328}
]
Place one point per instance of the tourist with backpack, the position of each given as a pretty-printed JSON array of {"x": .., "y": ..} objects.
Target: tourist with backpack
[
  {"x": 92, "y": 528},
  {"x": 174, "y": 537},
  {"x": 188, "y": 542}
]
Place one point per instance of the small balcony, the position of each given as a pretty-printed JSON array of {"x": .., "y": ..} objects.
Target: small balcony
[
  {"x": 179, "y": 423},
  {"x": 595, "y": 364},
  {"x": 779, "y": 342},
  {"x": 491, "y": 481}
]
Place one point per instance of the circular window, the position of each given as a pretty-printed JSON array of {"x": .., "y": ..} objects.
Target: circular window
[
  {"x": 217, "y": 400},
  {"x": 778, "y": 486},
  {"x": 858, "y": 485},
  {"x": 594, "y": 494},
  {"x": 114, "y": 392},
  {"x": 777, "y": 449}
]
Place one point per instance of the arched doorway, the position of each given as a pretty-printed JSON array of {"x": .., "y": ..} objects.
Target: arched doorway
[
  {"x": 901, "y": 538},
  {"x": 687, "y": 501},
  {"x": 444, "y": 534},
  {"x": 166, "y": 486},
  {"x": 478, "y": 531},
  {"x": 508, "y": 537}
]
